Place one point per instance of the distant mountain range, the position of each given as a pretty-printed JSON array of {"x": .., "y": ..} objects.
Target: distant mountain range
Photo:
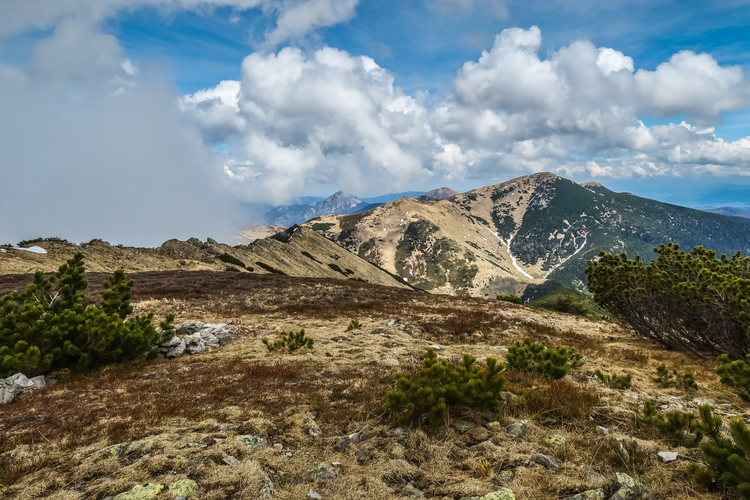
[
  {"x": 499, "y": 239},
  {"x": 734, "y": 212},
  {"x": 341, "y": 203}
]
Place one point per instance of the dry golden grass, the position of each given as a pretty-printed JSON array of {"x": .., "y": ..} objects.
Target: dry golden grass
[{"x": 172, "y": 411}]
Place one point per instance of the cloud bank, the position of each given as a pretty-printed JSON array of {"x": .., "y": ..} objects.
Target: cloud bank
[{"x": 306, "y": 117}]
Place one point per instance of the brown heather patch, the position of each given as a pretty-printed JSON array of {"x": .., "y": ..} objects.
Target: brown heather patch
[{"x": 51, "y": 440}]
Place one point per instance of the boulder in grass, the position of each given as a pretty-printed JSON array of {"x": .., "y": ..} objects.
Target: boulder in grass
[{"x": 8, "y": 391}]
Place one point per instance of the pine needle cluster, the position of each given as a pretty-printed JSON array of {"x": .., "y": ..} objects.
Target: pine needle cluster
[
  {"x": 535, "y": 357},
  {"x": 292, "y": 342},
  {"x": 619, "y": 382}
]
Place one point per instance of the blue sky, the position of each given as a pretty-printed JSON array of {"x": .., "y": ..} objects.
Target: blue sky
[{"x": 269, "y": 100}]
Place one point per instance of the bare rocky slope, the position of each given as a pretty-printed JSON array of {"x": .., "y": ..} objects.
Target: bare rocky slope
[
  {"x": 296, "y": 252},
  {"x": 500, "y": 239}
]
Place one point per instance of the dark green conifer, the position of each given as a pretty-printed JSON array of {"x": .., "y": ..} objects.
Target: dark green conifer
[{"x": 535, "y": 357}]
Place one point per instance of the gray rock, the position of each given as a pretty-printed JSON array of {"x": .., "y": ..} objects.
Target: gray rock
[
  {"x": 230, "y": 461},
  {"x": 312, "y": 428},
  {"x": 504, "y": 477},
  {"x": 222, "y": 332},
  {"x": 314, "y": 495},
  {"x": 209, "y": 339},
  {"x": 627, "y": 488},
  {"x": 322, "y": 471},
  {"x": 589, "y": 495},
  {"x": 194, "y": 343},
  {"x": 398, "y": 431},
  {"x": 592, "y": 476},
  {"x": 617, "y": 443},
  {"x": 555, "y": 440},
  {"x": 545, "y": 460},
  {"x": 8, "y": 391},
  {"x": 254, "y": 442},
  {"x": 38, "y": 382},
  {"x": 183, "y": 488},
  {"x": 21, "y": 380},
  {"x": 517, "y": 428},
  {"x": 190, "y": 327},
  {"x": 667, "y": 456},
  {"x": 601, "y": 431},
  {"x": 463, "y": 426},
  {"x": 267, "y": 490},
  {"x": 356, "y": 438},
  {"x": 173, "y": 349},
  {"x": 361, "y": 457},
  {"x": 413, "y": 492},
  {"x": 503, "y": 494},
  {"x": 341, "y": 443}
]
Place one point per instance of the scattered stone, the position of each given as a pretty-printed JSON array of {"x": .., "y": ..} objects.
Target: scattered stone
[
  {"x": 230, "y": 461},
  {"x": 555, "y": 440},
  {"x": 545, "y": 460},
  {"x": 8, "y": 391},
  {"x": 413, "y": 492},
  {"x": 194, "y": 343},
  {"x": 356, "y": 438},
  {"x": 209, "y": 339},
  {"x": 174, "y": 348},
  {"x": 588, "y": 495},
  {"x": 703, "y": 401},
  {"x": 627, "y": 488},
  {"x": 267, "y": 490},
  {"x": 116, "y": 449},
  {"x": 504, "y": 477},
  {"x": 254, "y": 442},
  {"x": 592, "y": 476},
  {"x": 314, "y": 495},
  {"x": 183, "y": 488},
  {"x": 493, "y": 425},
  {"x": 313, "y": 428},
  {"x": 145, "y": 491},
  {"x": 517, "y": 428},
  {"x": 617, "y": 442},
  {"x": 228, "y": 427},
  {"x": 436, "y": 347},
  {"x": 341, "y": 444},
  {"x": 391, "y": 322},
  {"x": 222, "y": 332},
  {"x": 667, "y": 456},
  {"x": 361, "y": 457},
  {"x": 549, "y": 421},
  {"x": 322, "y": 471},
  {"x": 508, "y": 397},
  {"x": 503, "y": 494},
  {"x": 278, "y": 447},
  {"x": 38, "y": 382},
  {"x": 21, "y": 380},
  {"x": 398, "y": 431},
  {"x": 462, "y": 426},
  {"x": 601, "y": 431},
  {"x": 190, "y": 327}
]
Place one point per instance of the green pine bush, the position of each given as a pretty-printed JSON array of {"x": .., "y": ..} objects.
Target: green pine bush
[
  {"x": 725, "y": 460},
  {"x": 440, "y": 386},
  {"x": 735, "y": 374},
  {"x": 514, "y": 299},
  {"x": 693, "y": 301},
  {"x": 684, "y": 381},
  {"x": 49, "y": 326},
  {"x": 619, "y": 382},
  {"x": 678, "y": 428},
  {"x": 292, "y": 342},
  {"x": 535, "y": 357},
  {"x": 354, "y": 325},
  {"x": 230, "y": 259}
]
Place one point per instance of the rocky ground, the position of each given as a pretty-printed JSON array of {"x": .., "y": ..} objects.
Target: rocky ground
[{"x": 236, "y": 421}]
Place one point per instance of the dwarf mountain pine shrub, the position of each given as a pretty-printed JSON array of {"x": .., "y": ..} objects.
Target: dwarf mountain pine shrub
[
  {"x": 735, "y": 374},
  {"x": 691, "y": 301},
  {"x": 440, "y": 386},
  {"x": 685, "y": 381},
  {"x": 619, "y": 382},
  {"x": 514, "y": 299},
  {"x": 354, "y": 325},
  {"x": 292, "y": 342},
  {"x": 535, "y": 357},
  {"x": 231, "y": 259},
  {"x": 49, "y": 326},
  {"x": 674, "y": 426},
  {"x": 725, "y": 460}
]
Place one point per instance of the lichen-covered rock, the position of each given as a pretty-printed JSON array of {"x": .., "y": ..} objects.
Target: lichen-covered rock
[
  {"x": 555, "y": 440},
  {"x": 592, "y": 476},
  {"x": 342, "y": 443},
  {"x": 627, "y": 488},
  {"x": 493, "y": 425},
  {"x": 267, "y": 490},
  {"x": 312, "y": 428},
  {"x": 545, "y": 460},
  {"x": 141, "y": 492},
  {"x": 183, "y": 488},
  {"x": 322, "y": 471},
  {"x": 254, "y": 442},
  {"x": 517, "y": 428},
  {"x": 115, "y": 449},
  {"x": 503, "y": 494},
  {"x": 588, "y": 495},
  {"x": 506, "y": 476},
  {"x": 462, "y": 426},
  {"x": 617, "y": 442}
]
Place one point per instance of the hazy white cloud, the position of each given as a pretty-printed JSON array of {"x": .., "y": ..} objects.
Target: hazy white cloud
[
  {"x": 298, "y": 18},
  {"x": 496, "y": 8}
]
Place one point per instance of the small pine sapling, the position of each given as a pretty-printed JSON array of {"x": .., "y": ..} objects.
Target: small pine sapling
[
  {"x": 684, "y": 381},
  {"x": 354, "y": 325},
  {"x": 725, "y": 460},
  {"x": 535, "y": 357},
  {"x": 440, "y": 386},
  {"x": 735, "y": 374},
  {"x": 293, "y": 341},
  {"x": 619, "y": 382},
  {"x": 675, "y": 426}
]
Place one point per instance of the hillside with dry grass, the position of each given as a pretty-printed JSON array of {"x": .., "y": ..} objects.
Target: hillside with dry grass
[{"x": 241, "y": 421}]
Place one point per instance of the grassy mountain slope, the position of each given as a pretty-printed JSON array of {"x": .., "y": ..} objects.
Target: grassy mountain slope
[
  {"x": 299, "y": 252},
  {"x": 551, "y": 225}
]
